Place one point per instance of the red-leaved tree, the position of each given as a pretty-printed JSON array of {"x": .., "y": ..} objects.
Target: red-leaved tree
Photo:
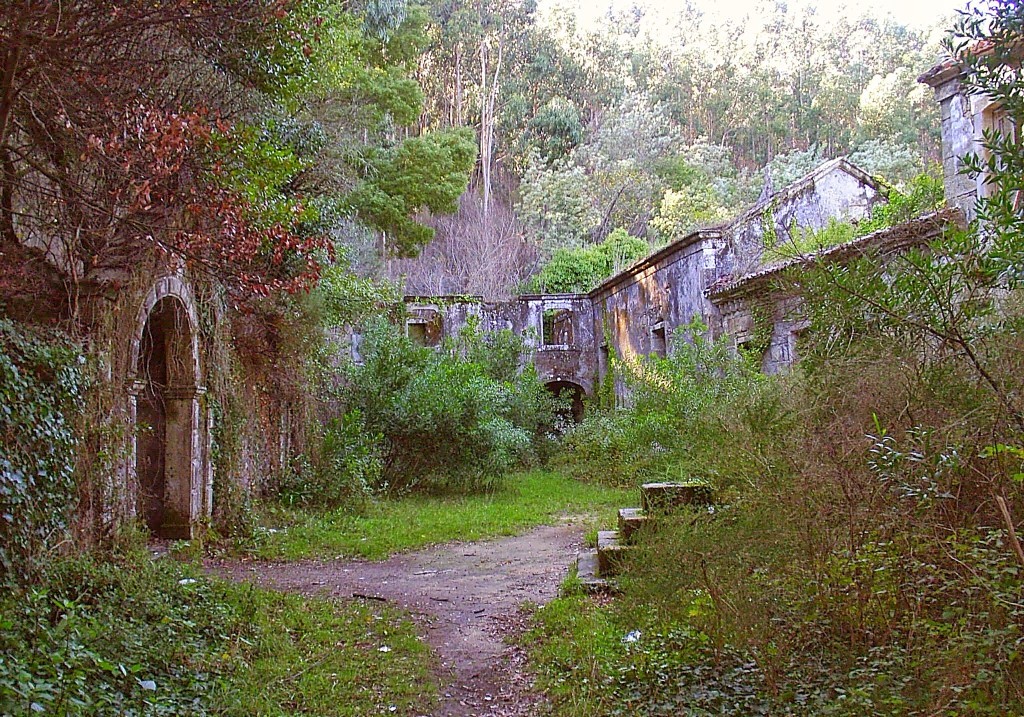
[{"x": 115, "y": 122}]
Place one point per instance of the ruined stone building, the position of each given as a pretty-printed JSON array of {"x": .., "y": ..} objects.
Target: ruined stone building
[
  {"x": 719, "y": 275},
  {"x": 164, "y": 353},
  {"x": 160, "y": 338},
  {"x": 635, "y": 313}
]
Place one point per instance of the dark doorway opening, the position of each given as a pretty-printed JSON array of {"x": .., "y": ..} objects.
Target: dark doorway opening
[
  {"x": 570, "y": 397},
  {"x": 164, "y": 420}
]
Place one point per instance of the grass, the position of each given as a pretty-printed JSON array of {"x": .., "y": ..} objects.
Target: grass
[
  {"x": 112, "y": 635},
  {"x": 527, "y": 500},
  {"x": 325, "y": 657},
  {"x": 596, "y": 658},
  {"x": 572, "y": 646}
]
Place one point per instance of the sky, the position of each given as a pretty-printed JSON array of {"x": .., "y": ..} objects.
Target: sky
[{"x": 924, "y": 14}]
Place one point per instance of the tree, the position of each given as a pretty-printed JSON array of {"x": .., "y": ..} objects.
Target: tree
[
  {"x": 580, "y": 270},
  {"x": 118, "y": 137},
  {"x": 555, "y": 206},
  {"x": 223, "y": 135},
  {"x": 422, "y": 173}
]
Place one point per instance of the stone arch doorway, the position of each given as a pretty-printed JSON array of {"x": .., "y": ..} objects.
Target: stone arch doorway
[
  {"x": 167, "y": 460},
  {"x": 571, "y": 395}
]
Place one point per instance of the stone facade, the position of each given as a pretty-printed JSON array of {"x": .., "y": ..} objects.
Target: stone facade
[
  {"x": 964, "y": 120},
  {"x": 558, "y": 329},
  {"x": 759, "y": 310}
]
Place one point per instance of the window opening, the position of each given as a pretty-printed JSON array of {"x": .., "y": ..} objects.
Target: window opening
[
  {"x": 659, "y": 344},
  {"x": 417, "y": 332},
  {"x": 557, "y": 327}
]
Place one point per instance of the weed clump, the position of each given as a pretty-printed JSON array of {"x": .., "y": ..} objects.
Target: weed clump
[{"x": 861, "y": 559}]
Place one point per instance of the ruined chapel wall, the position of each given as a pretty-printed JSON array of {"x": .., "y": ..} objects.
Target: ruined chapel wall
[{"x": 831, "y": 192}]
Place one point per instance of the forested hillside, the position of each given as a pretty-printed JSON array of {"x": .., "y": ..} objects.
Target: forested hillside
[{"x": 653, "y": 123}]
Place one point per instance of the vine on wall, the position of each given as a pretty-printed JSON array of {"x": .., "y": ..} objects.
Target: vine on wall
[{"x": 42, "y": 382}]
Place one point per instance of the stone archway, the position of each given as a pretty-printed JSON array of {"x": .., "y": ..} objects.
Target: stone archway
[
  {"x": 573, "y": 395},
  {"x": 166, "y": 456}
]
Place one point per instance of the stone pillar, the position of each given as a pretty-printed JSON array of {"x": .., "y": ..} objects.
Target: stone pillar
[
  {"x": 959, "y": 133},
  {"x": 183, "y": 496}
]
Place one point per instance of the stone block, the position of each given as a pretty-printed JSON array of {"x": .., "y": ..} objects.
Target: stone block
[
  {"x": 610, "y": 552},
  {"x": 630, "y": 521},
  {"x": 668, "y": 496},
  {"x": 587, "y": 572}
]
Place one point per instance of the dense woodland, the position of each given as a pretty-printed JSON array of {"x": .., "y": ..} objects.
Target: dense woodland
[
  {"x": 303, "y": 162},
  {"x": 654, "y": 124}
]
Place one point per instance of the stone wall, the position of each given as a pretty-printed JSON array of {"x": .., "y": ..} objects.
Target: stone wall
[
  {"x": 960, "y": 129},
  {"x": 636, "y": 312},
  {"x": 761, "y": 312}
]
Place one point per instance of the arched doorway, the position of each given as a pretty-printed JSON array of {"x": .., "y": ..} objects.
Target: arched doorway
[
  {"x": 164, "y": 399},
  {"x": 570, "y": 397}
]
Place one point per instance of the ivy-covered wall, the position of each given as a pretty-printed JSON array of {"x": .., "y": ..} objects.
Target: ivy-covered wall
[
  {"x": 43, "y": 381},
  {"x": 73, "y": 412}
]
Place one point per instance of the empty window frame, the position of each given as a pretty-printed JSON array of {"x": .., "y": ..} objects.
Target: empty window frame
[
  {"x": 659, "y": 342},
  {"x": 557, "y": 327}
]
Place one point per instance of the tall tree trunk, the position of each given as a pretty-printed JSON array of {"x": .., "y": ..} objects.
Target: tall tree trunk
[
  {"x": 488, "y": 98},
  {"x": 11, "y": 59},
  {"x": 458, "y": 120}
]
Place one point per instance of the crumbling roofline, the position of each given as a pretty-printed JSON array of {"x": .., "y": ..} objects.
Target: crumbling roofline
[
  {"x": 916, "y": 232},
  {"x": 790, "y": 190},
  {"x": 444, "y": 299}
]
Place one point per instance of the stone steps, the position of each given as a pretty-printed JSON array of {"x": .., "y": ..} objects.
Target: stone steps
[
  {"x": 610, "y": 552},
  {"x": 630, "y": 521},
  {"x": 596, "y": 567},
  {"x": 661, "y": 497},
  {"x": 587, "y": 572}
]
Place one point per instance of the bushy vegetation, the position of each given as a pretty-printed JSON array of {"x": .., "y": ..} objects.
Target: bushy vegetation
[
  {"x": 688, "y": 393},
  {"x": 407, "y": 417},
  {"x": 124, "y": 634},
  {"x": 42, "y": 379},
  {"x": 858, "y": 560},
  {"x": 580, "y": 270}
]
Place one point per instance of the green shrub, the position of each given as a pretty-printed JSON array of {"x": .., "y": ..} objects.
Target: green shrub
[
  {"x": 454, "y": 419},
  {"x": 106, "y": 640},
  {"x": 579, "y": 270},
  {"x": 42, "y": 378},
  {"x": 340, "y": 472},
  {"x": 688, "y": 410}
]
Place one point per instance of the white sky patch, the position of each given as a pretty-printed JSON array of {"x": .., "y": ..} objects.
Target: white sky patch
[{"x": 662, "y": 15}]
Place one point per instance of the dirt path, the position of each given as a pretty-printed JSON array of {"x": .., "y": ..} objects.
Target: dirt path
[{"x": 468, "y": 596}]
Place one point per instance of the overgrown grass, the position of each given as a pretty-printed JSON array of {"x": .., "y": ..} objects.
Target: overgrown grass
[
  {"x": 572, "y": 646},
  {"x": 595, "y": 659},
  {"x": 324, "y": 657},
  {"x": 133, "y": 636},
  {"x": 524, "y": 501}
]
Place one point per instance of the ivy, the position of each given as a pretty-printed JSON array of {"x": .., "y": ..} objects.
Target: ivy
[
  {"x": 42, "y": 378},
  {"x": 579, "y": 270}
]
